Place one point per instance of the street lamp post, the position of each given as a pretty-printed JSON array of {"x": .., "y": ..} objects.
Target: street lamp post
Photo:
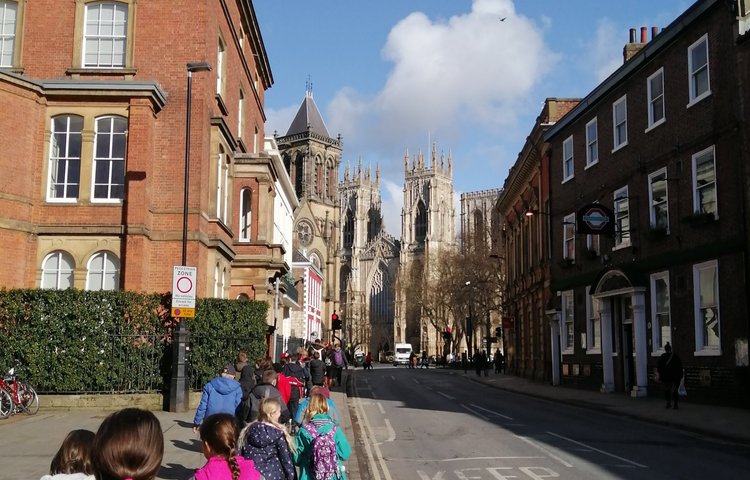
[{"x": 178, "y": 393}]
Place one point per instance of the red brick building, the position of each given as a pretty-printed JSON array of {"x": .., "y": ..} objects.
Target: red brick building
[
  {"x": 662, "y": 143},
  {"x": 93, "y": 102}
]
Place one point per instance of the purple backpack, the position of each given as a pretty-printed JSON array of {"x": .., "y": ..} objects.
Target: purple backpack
[{"x": 325, "y": 464}]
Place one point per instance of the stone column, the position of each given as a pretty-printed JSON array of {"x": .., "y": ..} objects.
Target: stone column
[
  {"x": 608, "y": 382},
  {"x": 640, "y": 389},
  {"x": 553, "y": 318}
]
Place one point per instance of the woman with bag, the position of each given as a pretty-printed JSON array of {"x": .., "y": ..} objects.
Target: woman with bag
[
  {"x": 669, "y": 369},
  {"x": 320, "y": 446}
]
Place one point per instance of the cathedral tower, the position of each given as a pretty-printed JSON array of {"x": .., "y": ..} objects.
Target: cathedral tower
[
  {"x": 312, "y": 158},
  {"x": 427, "y": 227},
  {"x": 369, "y": 263}
]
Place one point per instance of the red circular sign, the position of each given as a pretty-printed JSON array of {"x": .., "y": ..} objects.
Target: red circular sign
[
  {"x": 595, "y": 218},
  {"x": 184, "y": 284}
]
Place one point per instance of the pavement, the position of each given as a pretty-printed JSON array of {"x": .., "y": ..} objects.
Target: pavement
[{"x": 28, "y": 443}]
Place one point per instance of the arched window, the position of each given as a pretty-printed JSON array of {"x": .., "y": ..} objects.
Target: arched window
[
  {"x": 346, "y": 274},
  {"x": 373, "y": 224},
  {"x": 478, "y": 228},
  {"x": 223, "y": 285},
  {"x": 103, "y": 272},
  {"x": 222, "y": 185},
  {"x": 109, "y": 158},
  {"x": 246, "y": 214},
  {"x": 348, "y": 229},
  {"x": 315, "y": 259},
  {"x": 57, "y": 271},
  {"x": 420, "y": 225},
  {"x": 331, "y": 174},
  {"x": 217, "y": 278},
  {"x": 299, "y": 172}
]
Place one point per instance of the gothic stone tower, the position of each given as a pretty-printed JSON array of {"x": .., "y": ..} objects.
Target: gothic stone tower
[
  {"x": 427, "y": 227},
  {"x": 312, "y": 159},
  {"x": 369, "y": 263}
]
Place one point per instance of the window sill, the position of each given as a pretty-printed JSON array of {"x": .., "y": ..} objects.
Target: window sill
[
  {"x": 594, "y": 351},
  {"x": 620, "y": 147},
  {"x": 120, "y": 71},
  {"x": 698, "y": 98},
  {"x": 106, "y": 201},
  {"x": 569, "y": 351},
  {"x": 62, "y": 201},
  {"x": 566, "y": 180},
  {"x": 654, "y": 125},
  {"x": 589, "y": 165},
  {"x": 621, "y": 246},
  {"x": 222, "y": 106},
  {"x": 707, "y": 353}
]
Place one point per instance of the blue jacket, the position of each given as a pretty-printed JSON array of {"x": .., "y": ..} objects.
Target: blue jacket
[{"x": 220, "y": 395}]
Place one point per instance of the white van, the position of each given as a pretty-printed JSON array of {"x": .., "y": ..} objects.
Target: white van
[{"x": 402, "y": 354}]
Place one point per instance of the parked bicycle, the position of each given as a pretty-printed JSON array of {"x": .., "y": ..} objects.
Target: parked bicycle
[{"x": 17, "y": 396}]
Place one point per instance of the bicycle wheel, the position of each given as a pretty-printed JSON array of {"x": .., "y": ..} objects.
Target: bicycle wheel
[
  {"x": 29, "y": 399},
  {"x": 6, "y": 404}
]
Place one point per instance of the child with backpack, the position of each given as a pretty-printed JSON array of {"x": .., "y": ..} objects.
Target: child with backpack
[{"x": 320, "y": 445}]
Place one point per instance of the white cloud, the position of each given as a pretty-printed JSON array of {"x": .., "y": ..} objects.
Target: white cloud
[
  {"x": 604, "y": 55},
  {"x": 392, "y": 202},
  {"x": 279, "y": 120},
  {"x": 468, "y": 72}
]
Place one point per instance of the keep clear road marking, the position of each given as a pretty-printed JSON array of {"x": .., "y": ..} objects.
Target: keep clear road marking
[
  {"x": 597, "y": 450},
  {"x": 541, "y": 448}
]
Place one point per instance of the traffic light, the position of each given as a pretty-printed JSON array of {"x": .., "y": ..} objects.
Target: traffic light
[
  {"x": 336, "y": 322},
  {"x": 447, "y": 335},
  {"x": 498, "y": 331}
]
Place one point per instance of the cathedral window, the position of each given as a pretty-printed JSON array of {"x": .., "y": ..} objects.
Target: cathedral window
[
  {"x": 298, "y": 174},
  {"x": 373, "y": 224},
  {"x": 348, "y": 229},
  {"x": 478, "y": 229},
  {"x": 420, "y": 226}
]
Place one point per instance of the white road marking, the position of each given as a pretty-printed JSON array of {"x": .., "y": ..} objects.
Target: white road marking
[
  {"x": 474, "y": 412},
  {"x": 375, "y": 455},
  {"x": 415, "y": 380},
  {"x": 380, "y": 407},
  {"x": 447, "y": 396},
  {"x": 391, "y": 432},
  {"x": 393, "y": 378},
  {"x": 636, "y": 464},
  {"x": 492, "y": 412},
  {"x": 546, "y": 451}
]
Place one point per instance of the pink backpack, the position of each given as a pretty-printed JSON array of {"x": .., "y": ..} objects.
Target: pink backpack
[{"x": 325, "y": 465}]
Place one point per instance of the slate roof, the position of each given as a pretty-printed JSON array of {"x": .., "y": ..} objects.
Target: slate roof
[{"x": 308, "y": 114}]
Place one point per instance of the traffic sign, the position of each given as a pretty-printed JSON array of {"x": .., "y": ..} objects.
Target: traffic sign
[
  {"x": 183, "y": 291},
  {"x": 595, "y": 219}
]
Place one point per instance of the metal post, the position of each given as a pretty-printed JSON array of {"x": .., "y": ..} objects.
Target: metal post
[{"x": 179, "y": 398}]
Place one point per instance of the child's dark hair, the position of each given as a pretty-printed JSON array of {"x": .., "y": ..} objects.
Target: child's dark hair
[
  {"x": 128, "y": 444},
  {"x": 74, "y": 455},
  {"x": 219, "y": 432}
]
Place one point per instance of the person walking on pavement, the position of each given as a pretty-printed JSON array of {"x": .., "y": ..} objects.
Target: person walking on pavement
[
  {"x": 425, "y": 361},
  {"x": 317, "y": 370},
  {"x": 670, "y": 375},
  {"x": 267, "y": 443},
  {"x": 221, "y": 395},
  {"x": 465, "y": 361},
  {"x": 499, "y": 361},
  {"x": 339, "y": 363}
]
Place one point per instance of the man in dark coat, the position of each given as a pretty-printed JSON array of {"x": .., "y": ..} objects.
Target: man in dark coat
[{"x": 670, "y": 374}]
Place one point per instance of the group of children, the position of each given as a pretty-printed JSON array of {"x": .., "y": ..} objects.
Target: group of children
[{"x": 246, "y": 427}]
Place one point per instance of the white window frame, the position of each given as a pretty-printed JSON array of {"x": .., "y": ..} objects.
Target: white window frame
[
  {"x": 617, "y": 141},
  {"x": 592, "y": 143},
  {"x": 240, "y": 114},
  {"x": 103, "y": 274},
  {"x": 654, "y": 207},
  {"x": 701, "y": 348},
  {"x": 106, "y": 40},
  {"x": 222, "y": 185},
  {"x": 221, "y": 53},
  {"x": 59, "y": 273},
  {"x": 593, "y": 323},
  {"x": 8, "y": 37},
  {"x": 593, "y": 243},
  {"x": 57, "y": 157},
  {"x": 698, "y": 190},
  {"x": 656, "y": 102},
  {"x": 567, "y": 149},
  {"x": 114, "y": 161},
  {"x": 217, "y": 271},
  {"x": 695, "y": 70},
  {"x": 622, "y": 235},
  {"x": 567, "y": 323},
  {"x": 569, "y": 237},
  {"x": 658, "y": 337},
  {"x": 246, "y": 214}
]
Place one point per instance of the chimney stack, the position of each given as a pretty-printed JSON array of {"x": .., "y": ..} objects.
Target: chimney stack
[{"x": 632, "y": 47}]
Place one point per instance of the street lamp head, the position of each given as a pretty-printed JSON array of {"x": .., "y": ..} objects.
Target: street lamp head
[
  {"x": 198, "y": 67},
  {"x": 468, "y": 282}
]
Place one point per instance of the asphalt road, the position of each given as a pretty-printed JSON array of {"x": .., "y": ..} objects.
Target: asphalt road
[{"x": 437, "y": 425}]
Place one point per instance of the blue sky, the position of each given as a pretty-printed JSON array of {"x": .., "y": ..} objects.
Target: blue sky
[{"x": 392, "y": 75}]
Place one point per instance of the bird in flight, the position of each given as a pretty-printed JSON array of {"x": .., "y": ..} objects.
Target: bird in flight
[{"x": 502, "y": 19}]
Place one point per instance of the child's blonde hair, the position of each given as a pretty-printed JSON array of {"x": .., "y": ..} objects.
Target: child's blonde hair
[
  {"x": 317, "y": 404},
  {"x": 266, "y": 408}
]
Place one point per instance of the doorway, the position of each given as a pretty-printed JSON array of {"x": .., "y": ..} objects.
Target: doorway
[{"x": 622, "y": 343}]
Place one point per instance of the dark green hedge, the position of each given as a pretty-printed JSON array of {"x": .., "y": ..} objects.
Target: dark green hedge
[{"x": 81, "y": 341}]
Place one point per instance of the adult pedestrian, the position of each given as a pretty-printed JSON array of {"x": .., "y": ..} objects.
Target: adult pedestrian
[
  {"x": 298, "y": 378},
  {"x": 670, "y": 375},
  {"x": 368, "y": 361},
  {"x": 499, "y": 361},
  {"x": 425, "y": 361},
  {"x": 222, "y": 394},
  {"x": 317, "y": 370},
  {"x": 412, "y": 359},
  {"x": 240, "y": 364},
  {"x": 339, "y": 363},
  {"x": 465, "y": 361}
]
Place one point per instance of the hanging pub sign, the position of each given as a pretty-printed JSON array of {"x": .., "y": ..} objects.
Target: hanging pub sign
[{"x": 595, "y": 219}]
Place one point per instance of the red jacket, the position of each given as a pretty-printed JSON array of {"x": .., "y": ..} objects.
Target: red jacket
[{"x": 282, "y": 383}]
